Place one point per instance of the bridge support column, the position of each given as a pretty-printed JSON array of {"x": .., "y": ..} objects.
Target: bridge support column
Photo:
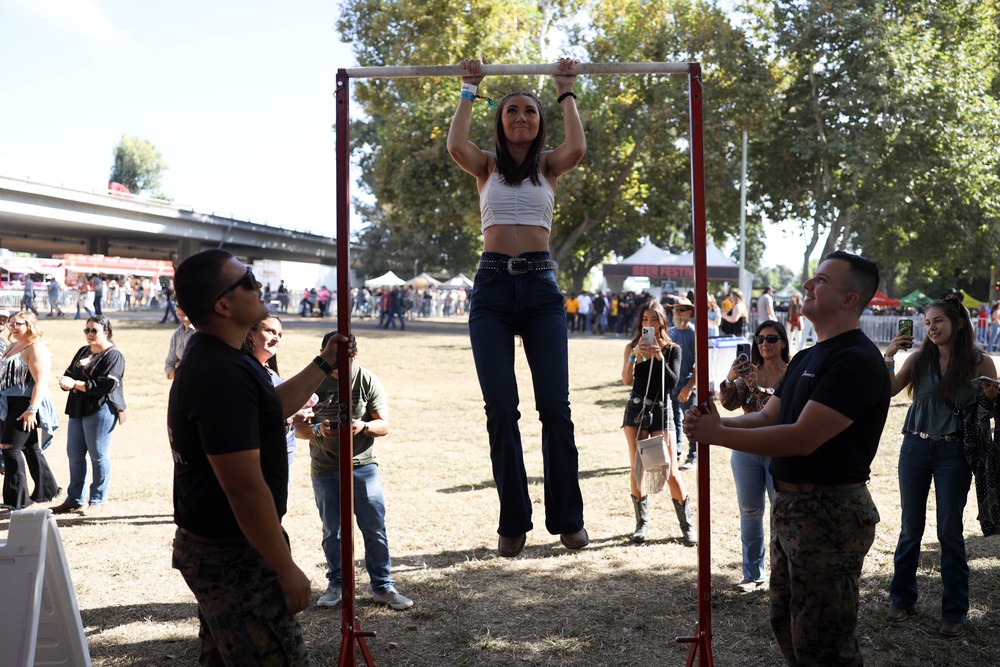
[
  {"x": 98, "y": 245},
  {"x": 185, "y": 248}
]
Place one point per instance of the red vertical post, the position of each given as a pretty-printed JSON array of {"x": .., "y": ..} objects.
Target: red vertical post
[
  {"x": 350, "y": 626},
  {"x": 702, "y": 638}
]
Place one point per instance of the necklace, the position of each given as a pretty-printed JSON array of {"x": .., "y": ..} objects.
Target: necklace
[{"x": 763, "y": 380}]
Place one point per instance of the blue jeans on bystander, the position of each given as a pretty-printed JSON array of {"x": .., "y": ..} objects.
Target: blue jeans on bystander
[
  {"x": 752, "y": 475},
  {"x": 369, "y": 509},
  {"x": 90, "y": 435},
  {"x": 920, "y": 461}
]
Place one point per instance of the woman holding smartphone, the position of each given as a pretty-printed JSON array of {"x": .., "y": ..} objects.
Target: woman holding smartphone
[
  {"x": 940, "y": 378},
  {"x": 748, "y": 386},
  {"x": 651, "y": 366}
]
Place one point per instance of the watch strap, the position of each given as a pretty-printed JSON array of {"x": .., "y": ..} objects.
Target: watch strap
[{"x": 323, "y": 364}]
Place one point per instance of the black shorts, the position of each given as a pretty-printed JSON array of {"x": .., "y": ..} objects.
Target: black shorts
[
  {"x": 13, "y": 432},
  {"x": 652, "y": 417}
]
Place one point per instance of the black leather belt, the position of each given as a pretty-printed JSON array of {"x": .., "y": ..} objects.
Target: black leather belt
[
  {"x": 201, "y": 539},
  {"x": 786, "y": 487},
  {"x": 518, "y": 265},
  {"x": 930, "y": 436}
]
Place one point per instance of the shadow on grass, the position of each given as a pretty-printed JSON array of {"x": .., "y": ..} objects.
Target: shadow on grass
[
  {"x": 917, "y": 641},
  {"x": 553, "y": 607},
  {"x": 74, "y": 519},
  {"x": 511, "y": 614},
  {"x": 103, "y": 618},
  {"x": 490, "y": 484},
  {"x": 123, "y": 625}
]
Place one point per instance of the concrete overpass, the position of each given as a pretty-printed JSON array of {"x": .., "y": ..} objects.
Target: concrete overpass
[{"x": 46, "y": 220}]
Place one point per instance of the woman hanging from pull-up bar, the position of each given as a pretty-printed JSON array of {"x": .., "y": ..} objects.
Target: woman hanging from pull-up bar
[{"x": 516, "y": 294}]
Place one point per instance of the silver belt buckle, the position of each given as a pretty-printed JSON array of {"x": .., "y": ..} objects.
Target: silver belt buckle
[{"x": 514, "y": 272}]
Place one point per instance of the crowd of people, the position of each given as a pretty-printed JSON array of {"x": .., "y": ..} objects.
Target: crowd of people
[
  {"x": 807, "y": 429},
  {"x": 89, "y": 295},
  {"x": 95, "y": 403}
]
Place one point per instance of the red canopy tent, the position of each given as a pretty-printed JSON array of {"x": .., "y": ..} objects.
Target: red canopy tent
[{"x": 881, "y": 299}]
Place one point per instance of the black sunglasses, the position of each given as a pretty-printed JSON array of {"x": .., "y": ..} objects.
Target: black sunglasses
[
  {"x": 770, "y": 338},
  {"x": 248, "y": 281},
  {"x": 91, "y": 331}
]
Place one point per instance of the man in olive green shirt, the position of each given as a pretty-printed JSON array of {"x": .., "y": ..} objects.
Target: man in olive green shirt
[{"x": 370, "y": 412}]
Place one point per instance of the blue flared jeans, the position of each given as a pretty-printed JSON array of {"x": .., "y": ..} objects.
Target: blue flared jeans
[
  {"x": 90, "y": 435},
  {"x": 754, "y": 486},
  {"x": 921, "y": 461},
  {"x": 528, "y": 305},
  {"x": 369, "y": 509}
]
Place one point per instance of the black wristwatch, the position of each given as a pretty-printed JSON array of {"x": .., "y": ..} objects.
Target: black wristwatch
[
  {"x": 323, "y": 364},
  {"x": 364, "y": 429}
]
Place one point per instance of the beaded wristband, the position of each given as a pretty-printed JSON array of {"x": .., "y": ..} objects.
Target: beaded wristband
[{"x": 565, "y": 95}]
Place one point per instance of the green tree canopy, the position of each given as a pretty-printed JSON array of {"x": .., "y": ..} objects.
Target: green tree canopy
[
  {"x": 137, "y": 165},
  {"x": 885, "y": 136},
  {"x": 873, "y": 123},
  {"x": 634, "y": 181}
]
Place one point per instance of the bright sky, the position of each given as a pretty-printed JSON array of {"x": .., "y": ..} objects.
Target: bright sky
[{"x": 238, "y": 97}]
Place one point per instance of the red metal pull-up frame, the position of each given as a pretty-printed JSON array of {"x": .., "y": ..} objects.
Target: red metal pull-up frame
[{"x": 351, "y": 628}]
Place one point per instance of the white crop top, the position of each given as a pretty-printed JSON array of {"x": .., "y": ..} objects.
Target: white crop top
[{"x": 525, "y": 204}]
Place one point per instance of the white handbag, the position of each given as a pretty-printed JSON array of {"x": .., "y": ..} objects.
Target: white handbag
[{"x": 653, "y": 450}]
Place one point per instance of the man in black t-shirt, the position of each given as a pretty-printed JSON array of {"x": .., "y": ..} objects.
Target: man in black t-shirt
[
  {"x": 822, "y": 429},
  {"x": 226, "y": 425}
]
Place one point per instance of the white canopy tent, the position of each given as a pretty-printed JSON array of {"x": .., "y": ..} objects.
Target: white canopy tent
[
  {"x": 388, "y": 279},
  {"x": 423, "y": 281},
  {"x": 461, "y": 281}
]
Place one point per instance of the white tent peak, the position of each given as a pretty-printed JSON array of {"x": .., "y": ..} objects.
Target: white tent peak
[
  {"x": 461, "y": 281},
  {"x": 388, "y": 279},
  {"x": 649, "y": 253}
]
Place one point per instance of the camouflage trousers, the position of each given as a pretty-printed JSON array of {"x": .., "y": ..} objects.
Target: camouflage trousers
[
  {"x": 242, "y": 610},
  {"x": 819, "y": 541}
]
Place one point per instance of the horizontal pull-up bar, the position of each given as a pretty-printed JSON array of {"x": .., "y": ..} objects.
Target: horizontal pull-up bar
[{"x": 510, "y": 70}]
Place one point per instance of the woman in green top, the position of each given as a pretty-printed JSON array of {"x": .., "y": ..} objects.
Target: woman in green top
[{"x": 941, "y": 379}]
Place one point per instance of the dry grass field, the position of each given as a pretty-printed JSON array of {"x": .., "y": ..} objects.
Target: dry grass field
[{"x": 611, "y": 604}]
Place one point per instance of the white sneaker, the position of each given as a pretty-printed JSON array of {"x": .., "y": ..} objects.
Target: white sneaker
[
  {"x": 751, "y": 585},
  {"x": 394, "y": 599},
  {"x": 331, "y": 598}
]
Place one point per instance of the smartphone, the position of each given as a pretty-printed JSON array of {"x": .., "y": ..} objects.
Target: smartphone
[
  {"x": 906, "y": 327},
  {"x": 649, "y": 335},
  {"x": 743, "y": 353}
]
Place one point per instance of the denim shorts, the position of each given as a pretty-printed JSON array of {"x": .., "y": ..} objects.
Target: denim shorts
[{"x": 652, "y": 416}]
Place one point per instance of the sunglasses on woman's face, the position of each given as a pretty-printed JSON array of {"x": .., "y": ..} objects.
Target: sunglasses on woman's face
[
  {"x": 89, "y": 331},
  {"x": 770, "y": 338}
]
